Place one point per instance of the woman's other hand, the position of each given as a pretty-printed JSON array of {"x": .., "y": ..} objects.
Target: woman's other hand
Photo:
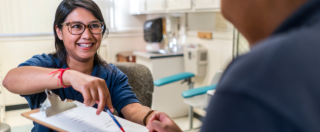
[
  {"x": 93, "y": 89},
  {"x": 161, "y": 122}
]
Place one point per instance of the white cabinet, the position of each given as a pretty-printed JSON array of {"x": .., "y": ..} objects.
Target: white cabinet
[
  {"x": 173, "y": 6},
  {"x": 178, "y": 4},
  {"x": 206, "y": 4},
  {"x": 138, "y": 7},
  {"x": 156, "y": 5}
]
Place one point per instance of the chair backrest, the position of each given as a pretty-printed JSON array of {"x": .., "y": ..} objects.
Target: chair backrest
[
  {"x": 216, "y": 77},
  {"x": 4, "y": 127},
  {"x": 140, "y": 79}
]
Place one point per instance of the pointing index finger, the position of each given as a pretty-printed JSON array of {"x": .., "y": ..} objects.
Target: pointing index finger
[{"x": 101, "y": 103}]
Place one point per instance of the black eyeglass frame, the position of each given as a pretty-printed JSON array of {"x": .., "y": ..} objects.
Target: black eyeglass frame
[{"x": 85, "y": 26}]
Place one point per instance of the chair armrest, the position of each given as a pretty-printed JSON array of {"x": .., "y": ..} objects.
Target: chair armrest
[
  {"x": 198, "y": 91},
  {"x": 173, "y": 78}
]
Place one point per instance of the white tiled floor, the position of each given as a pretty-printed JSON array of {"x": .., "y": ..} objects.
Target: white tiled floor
[{"x": 22, "y": 124}]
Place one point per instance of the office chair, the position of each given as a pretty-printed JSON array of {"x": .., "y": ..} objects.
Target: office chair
[
  {"x": 194, "y": 97},
  {"x": 140, "y": 79}
]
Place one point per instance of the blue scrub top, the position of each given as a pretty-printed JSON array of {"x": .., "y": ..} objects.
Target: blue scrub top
[
  {"x": 117, "y": 82},
  {"x": 276, "y": 86}
]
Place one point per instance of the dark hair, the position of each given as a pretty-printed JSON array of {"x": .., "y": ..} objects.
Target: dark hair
[{"x": 63, "y": 10}]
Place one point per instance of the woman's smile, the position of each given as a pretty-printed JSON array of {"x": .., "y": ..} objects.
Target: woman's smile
[{"x": 85, "y": 46}]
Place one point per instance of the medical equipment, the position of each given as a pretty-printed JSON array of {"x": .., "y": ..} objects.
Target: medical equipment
[{"x": 195, "y": 59}]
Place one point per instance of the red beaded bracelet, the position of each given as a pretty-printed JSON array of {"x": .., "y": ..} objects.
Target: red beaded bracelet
[{"x": 60, "y": 76}]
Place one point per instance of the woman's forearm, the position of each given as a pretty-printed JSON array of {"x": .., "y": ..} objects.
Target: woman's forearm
[
  {"x": 30, "y": 80},
  {"x": 135, "y": 112}
]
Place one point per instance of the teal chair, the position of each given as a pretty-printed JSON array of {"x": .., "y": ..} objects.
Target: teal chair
[{"x": 194, "y": 97}]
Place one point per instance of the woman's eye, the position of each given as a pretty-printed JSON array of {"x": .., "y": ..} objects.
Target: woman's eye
[
  {"x": 76, "y": 26},
  {"x": 95, "y": 26}
]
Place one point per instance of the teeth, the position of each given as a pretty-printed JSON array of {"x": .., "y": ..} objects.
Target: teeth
[{"x": 85, "y": 45}]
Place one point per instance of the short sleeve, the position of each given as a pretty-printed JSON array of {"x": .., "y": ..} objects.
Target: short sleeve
[
  {"x": 121, "y": 93},
  {"x": 43, "y": 60}
]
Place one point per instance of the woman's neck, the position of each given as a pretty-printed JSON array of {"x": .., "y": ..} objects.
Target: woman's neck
[{"x": 83, "y": 67}]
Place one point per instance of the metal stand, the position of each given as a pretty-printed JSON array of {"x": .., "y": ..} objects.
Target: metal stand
[{"x": 190, "y": 113}]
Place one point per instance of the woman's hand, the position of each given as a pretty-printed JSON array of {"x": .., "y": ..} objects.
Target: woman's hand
[
  {"x": 93, "y": 89},
  {"x": 161, "y": 122}
]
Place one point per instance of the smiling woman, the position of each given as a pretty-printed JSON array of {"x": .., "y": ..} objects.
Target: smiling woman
[
  {"x": 84, "y": 76},
  {"x": 73, "y": 16}
]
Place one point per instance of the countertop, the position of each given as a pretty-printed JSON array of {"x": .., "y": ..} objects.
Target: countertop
[{"x": 155, "y": 55}]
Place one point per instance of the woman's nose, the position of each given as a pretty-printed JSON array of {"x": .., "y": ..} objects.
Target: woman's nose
[{"x": 86, "y": 34}]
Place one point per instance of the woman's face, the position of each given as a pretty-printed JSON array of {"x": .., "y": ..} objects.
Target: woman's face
[{"x": 84, "y": 46}]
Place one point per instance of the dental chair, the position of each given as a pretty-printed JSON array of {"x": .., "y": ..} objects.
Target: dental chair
[{"x": 194, "y": 97}]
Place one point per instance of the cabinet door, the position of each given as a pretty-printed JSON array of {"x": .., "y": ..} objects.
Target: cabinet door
[
  {"x": 179, "y": 4},
  {"x": 206, "y": 4},
  {"x": 156, "y": 5},
  {"x": 137, "y": 6}
]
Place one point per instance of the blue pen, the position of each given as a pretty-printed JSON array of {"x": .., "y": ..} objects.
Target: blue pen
[{"x": 115, "y": 120}]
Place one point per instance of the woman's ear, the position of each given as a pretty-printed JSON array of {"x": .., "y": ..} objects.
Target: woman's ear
[{"x": 59, "y": 32}]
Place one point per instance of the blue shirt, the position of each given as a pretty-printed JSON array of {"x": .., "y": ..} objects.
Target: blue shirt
[
  {"x": 276, "y": 86},
  {"x": 117, "y": 82}
]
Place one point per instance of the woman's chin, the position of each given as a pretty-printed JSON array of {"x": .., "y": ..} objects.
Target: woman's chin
[{"x": 86, "y": 57}]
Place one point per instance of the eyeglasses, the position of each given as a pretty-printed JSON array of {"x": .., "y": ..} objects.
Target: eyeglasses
[{"x": 77, "y": 28}]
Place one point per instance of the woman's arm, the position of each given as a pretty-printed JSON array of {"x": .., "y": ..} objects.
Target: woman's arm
[
  {"x": 156, "y": 121},
  {"x": 28, "y": 80},
  {"x": 135, "y": 112}
]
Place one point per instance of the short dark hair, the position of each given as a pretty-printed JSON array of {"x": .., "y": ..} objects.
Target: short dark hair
[{"x": 63, "y": 10}]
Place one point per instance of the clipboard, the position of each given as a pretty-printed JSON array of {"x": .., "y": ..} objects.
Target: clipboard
[
  {"x": 27, "y": 115},
  {"x": 69, "y": 115},
  {"x": 103, "y": 122}
]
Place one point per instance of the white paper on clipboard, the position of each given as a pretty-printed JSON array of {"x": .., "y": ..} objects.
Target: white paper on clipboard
[{"x": 84, "y": 119}]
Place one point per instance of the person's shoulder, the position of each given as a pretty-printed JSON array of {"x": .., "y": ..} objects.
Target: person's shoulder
[
  {"x": 293, "y": 43},
  {"x": 112, "y": 66},
  {"x": 109, "y": 70},
  {"x": 276, "y": 53},
  {"x": 294, "y": 40},
  {"x": 43, "y": 56},
  {"x": 283, "y": 57},
  {"x": 45, "y": 60},
  {"x": 113, "y": 69},
  {"x": 108, "y": 67}
]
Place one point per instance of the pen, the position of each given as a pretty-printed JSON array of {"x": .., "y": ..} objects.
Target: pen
[{"x": 115, "y": 120}]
